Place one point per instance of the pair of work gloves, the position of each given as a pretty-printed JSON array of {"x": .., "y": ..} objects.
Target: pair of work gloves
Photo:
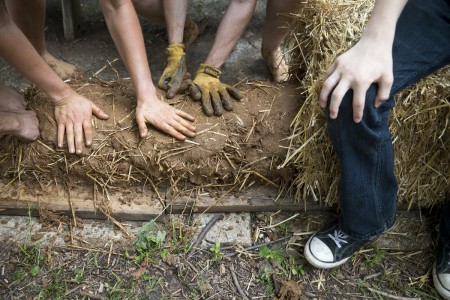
[{"x": 206, "y": 85}]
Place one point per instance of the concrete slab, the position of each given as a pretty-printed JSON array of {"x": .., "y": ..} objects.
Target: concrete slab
[
  {"x": 16, "y": 229},
  {"x": 233, "y": 229}
]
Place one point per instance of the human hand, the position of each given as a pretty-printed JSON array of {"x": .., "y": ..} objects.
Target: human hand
[
  {"x": 207, "y": 87},
  {"x": 366, "y": 63},
  {"x": 164, "y": 117},
  {"x": 173, "y": 77},
  {"x": 73, "y": 116}
]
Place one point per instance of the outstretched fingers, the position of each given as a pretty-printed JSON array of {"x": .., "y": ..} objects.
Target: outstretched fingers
[
  {"x": 384, "y": 89},
  {"x": 98, "y": 112},
  {"x": 142, "y": 125}
]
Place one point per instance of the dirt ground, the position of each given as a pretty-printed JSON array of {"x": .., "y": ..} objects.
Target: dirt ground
[{"x": 159, "y": 262}]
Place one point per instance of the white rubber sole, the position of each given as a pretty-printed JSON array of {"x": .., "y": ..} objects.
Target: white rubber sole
[
  {"x": 445, "y": 293},
  {"x": 318, "y": 263}
]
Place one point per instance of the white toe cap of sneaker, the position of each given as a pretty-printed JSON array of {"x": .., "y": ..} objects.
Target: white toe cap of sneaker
[
  {"x": 442, "y": 284},
  {"x": 321, "y": 251}
]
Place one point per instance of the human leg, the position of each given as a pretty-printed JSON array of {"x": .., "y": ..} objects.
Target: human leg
[
  {"x": 368, "y": 186},
  {"x": 29, "y": 16},
  {"x": 180, "y": 28},
  {"x": 275, "y": 30}
]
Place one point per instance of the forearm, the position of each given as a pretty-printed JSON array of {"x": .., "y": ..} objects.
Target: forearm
[
  {"x": 126, "y": 32},
  {"x": 19, "y": 52},
  {"x": 231, "y": 27},
  {"x": 382, "y": 23},
  {"x": 175, "y": 16}
]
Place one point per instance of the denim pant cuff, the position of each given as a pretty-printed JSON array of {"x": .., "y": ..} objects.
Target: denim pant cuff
[{"x": 368, "y": 236}]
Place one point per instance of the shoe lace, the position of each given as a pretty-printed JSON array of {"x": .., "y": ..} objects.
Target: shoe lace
[{"x": 338, "y": 237}]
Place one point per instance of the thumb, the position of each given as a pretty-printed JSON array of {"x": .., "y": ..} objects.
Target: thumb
[
  {"x": 98, "y": 112},
  {"x": 143, "y": 131},
  {"x": 195, "y": 92}
]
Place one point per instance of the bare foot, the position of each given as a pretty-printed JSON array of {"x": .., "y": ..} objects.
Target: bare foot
[
  {"x": 277, "y": 65},
  {"x": 10, "y": 101},
  {"x": 23, "y": 124},
  {"x": 63, "y": 69}
]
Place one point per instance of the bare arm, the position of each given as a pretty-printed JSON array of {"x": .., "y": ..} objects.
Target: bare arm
[
  {"x": 125, "y": 30},
  {"x": 233, "y": 24},
  {"x": 369, "y": 61},
  {"x": 73, "y": 112}
]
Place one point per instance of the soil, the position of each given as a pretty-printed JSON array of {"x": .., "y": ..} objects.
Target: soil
[{"x": 251, "y": 139}]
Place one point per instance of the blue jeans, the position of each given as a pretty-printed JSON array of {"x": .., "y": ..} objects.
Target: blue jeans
[{"x": 368, "y": 187}]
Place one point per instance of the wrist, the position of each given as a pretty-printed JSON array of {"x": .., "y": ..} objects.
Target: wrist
[
  {"x": 61, "y": 95},
  {"x": 209, "y": 70},
  {"x": 146, "y": 98}
]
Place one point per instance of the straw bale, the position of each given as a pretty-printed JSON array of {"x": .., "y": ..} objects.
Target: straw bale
[{"x": 321, "y": 31}]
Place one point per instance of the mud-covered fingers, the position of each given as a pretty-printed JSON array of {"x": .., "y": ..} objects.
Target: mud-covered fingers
[
  {"x": 87, "y": 129},
  {"x": 185, "y": 115},
  {"x": 195, "y": 92},
  {"x": 176, "y": 82},
  {"x": 234, "y": 92},
  {"x": 142, "y": 125},
  {"x": 78, "y": 132},
  {"x": 226, "y": 99},
  {"x": 216, "y": 102},
  {"x": 185, "y": 84},
  {"x": 206, "y": 103},
  {"x": 173, "y": 131},
  {"x": 184, "y": 126},
  {"x": 327, "y": 87},
  {"x": 98, "y": 112},
  {"x": 70, "y": 137},
  {"x": 60, "y": 134}
]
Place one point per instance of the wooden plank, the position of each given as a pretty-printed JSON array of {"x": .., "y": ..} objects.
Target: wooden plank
[
  {"x": 257, "y": 199},
  {"x": 18, "y": 199},
  {"x": 70, "y": 12}
]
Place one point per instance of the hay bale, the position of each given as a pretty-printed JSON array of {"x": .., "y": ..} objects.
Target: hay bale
[
  {"x": 241, "y": 148},
  {"x": 320, "y": 32}
]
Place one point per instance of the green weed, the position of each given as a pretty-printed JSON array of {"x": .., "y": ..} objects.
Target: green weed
[{"x": 215, "y": 250}]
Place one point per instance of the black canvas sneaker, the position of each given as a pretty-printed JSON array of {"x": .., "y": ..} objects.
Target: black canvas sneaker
[
  {"x": 331, "y": 247},
  {"x": 441, "y": 271}
]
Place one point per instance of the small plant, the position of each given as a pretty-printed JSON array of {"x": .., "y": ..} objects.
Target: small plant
[
  {"x": 152, "y": 282},
  {"x": 266, "y": 277},
  {"x": 79, "y": 275},
  {"x": 289, "y": 266},
  {"x": 149, "y": 240},
  {"x": 31, "y": 261},
  {"x": 217, "y": 254},
  {"x": 375, "y": 258},
  {"x": 56, "y": 288}
]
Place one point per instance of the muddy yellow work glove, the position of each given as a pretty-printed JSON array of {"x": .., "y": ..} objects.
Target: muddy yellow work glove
[
  {"x": 175, "y": 71},
  {"x": 214, "y": 94}
]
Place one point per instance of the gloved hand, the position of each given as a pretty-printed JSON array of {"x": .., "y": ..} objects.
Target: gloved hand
[
  {"x": 173, "y": 78},
  {"x": 207, "y": 87}
]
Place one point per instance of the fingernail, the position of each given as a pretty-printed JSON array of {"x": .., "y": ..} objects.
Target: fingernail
[
  {"x": 72, "y": 150},
  {"x": 79, "y": 151},
  {"x": 60, "y": 145},
  {"x": 88, "y": 142}
]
